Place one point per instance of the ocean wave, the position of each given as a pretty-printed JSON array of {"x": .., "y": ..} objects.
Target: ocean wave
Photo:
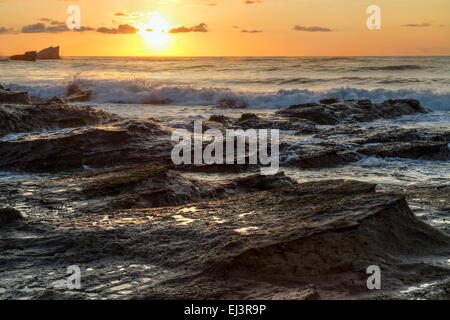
[
  {"x": 402, "y": 67},
  {"x": 137, "y": 91}
]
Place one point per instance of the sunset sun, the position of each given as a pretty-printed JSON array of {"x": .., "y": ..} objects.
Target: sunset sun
[{"x": 155, "y": 31}]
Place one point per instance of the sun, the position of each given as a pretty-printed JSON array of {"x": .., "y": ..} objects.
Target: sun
[{"x": 155, "y": 30}]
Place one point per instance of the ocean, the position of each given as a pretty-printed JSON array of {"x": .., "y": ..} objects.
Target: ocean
[
  {"x": 266, "y": 82},
  {"x": 178, "y": 90}
]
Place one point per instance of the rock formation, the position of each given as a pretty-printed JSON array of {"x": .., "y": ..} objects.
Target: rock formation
[
  {"x": 333, "y": 111},
  {"x": 28, "y": 56},
  {"x": 26, "y": 118},
  {"x": 49, "y": 53},
  {"x": 7, "y": 96}
]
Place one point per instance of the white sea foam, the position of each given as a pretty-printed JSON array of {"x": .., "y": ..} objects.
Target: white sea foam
[{"x": 146, "y": 92}]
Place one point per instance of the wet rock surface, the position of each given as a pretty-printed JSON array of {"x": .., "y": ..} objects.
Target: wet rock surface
[
  {"x": 140, "y": 227},
  {"x": 8, "y": 215},
  {"x": 226, "y": 248},
  {"x": 332, "y": 111},
  {"x": 7, "y": 96},
  {"x": 26, "y": 118},
  {"x": 412, "y": 150},
  {"x": 132, "y": 186},
  {"x": 109, "y": 145}
]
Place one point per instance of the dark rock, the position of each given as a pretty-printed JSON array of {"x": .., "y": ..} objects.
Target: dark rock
[
  {"x": 7, "y": 96},
  {"x": 75, "y": 94},
  {"x": 310, "y": 111},
  {"x": 330, "y": 100},
  {"x": 49, "y": 53},
  {"x": 220, "y": 118},
  {"x": 301, "y": 241},
  {"x": 8, "y": 215},
  {"x": 97, "y": 147},
  {"x": 28, "y": 56},
  {"x": 230, "y": 103},
  {"x": 352, "y": 111},
  {"x": 24, "y": 118},
  {"x": 126, "y": 187},
  {"x": 321, "y": 155},
  {"x": 413, "y": 150}
]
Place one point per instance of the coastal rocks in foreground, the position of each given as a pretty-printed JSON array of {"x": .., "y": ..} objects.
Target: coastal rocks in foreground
[
  {"x": 102, "y": 146},
  {"x": 25, "y": 118},
  {"x": 311, "y": 240},
  {"x": 333, "y": 111},
  {"x": 132, "y": 186}
]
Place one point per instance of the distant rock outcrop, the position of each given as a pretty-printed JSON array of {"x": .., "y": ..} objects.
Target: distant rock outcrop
[
  {"x": 49, "y": 53},
  {"x": 28, "y": 56}
]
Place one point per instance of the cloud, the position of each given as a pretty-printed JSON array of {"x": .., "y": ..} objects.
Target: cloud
[
  {"x": 4, "y": 30},
  {"x": 34, "y": 28},
  {"x": 252, "y": 1},
  {"x": 202, "y": 27},
  {"x": 122, "y": 29},
  {"x": 425, "y": 24},
  {"x": 54, "y": 27},
  {"x": 251, "y": 31},
  {"x": 311, "y": 29}
]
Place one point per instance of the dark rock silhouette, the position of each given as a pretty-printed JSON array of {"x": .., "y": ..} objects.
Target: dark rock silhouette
[
  {"x": 49, "y": 53},
  {"x": 28, "y": 56}
]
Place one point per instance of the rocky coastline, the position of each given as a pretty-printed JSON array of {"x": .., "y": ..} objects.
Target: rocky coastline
[{"x": 109, "y": 199}]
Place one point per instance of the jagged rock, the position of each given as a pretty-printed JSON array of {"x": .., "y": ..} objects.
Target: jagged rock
[
  {"x": 330, "y": 100},
  {"x": 132, "y": 186},
  {"x": 49, "y": 53},
  {"x": 7, "y": 96},
  {"x": 412, "y": 150},
  {"x": 352, "y": 110},
  {"x": 28, "y": 56},
  {"x": 230, "y": 103},
  {"x": 75, "y": 94},
  {"x": 97, "y": 147},
  {"x": 25, "y": 118},
  {"x": 308, "y": 240},
  {"x": 8, "y": 215},
  {"x": 320, "y": 155}
]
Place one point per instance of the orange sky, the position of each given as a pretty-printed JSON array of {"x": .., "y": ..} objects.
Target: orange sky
[{"x": 409, "y": 27}]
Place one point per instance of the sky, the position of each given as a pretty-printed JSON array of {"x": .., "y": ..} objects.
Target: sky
[{"x": 226, "y": 27}]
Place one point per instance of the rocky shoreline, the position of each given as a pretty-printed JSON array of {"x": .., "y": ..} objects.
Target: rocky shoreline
[{"x": 100, "y": 191}]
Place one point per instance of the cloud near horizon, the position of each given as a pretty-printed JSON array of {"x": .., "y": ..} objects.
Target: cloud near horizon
[
  {"x": 202, "y": 27},
  {"x": 121, "y": 29},
  {"x": 425, "y": 24},
  {"x": 311, "y": 29}
]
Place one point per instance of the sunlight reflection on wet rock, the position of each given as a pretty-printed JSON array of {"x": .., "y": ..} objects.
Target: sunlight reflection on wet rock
[
  {"x": 246, "y": 230},
  {"x": 183, "y": 221}
]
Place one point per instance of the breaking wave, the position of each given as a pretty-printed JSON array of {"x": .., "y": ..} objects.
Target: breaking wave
[{"x": 145, "y": 92}]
